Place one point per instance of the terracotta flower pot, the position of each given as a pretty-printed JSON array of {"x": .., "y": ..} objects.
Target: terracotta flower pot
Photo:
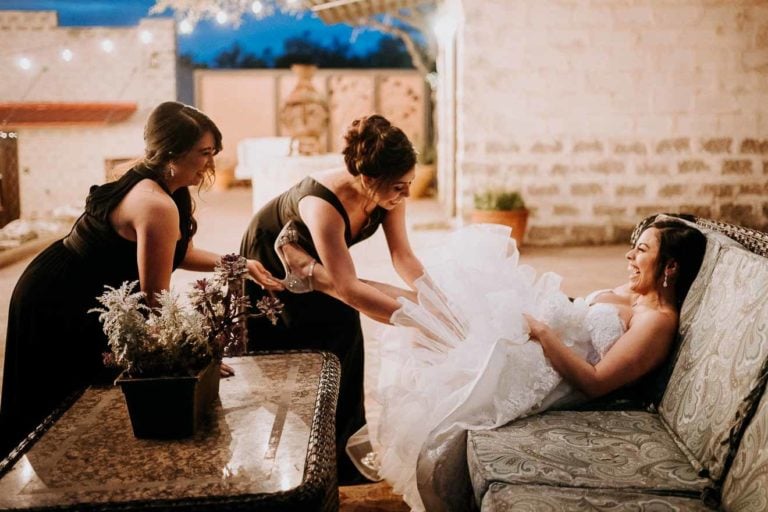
[
  {"x": 516, "y": 219},
  {"x": 170, "y": 407}
]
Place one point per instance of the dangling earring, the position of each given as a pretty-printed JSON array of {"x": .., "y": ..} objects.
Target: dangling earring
[
  {"x": 664, "y": 284},
  {"x": 172, "y": 171}
]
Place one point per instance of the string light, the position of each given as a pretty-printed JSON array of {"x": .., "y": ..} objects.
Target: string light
[
  {"x": 145, "y": 36},
  {"x": 66, "y": 55},
  {"x": 186, "y": 26},
  {"x": 107, "y": 45},
  {"x": 224, "y": 11},
  {"x": 25, "y": 63}
]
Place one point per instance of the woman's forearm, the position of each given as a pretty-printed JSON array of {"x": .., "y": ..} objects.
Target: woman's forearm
[
  {"x": 408, "y": 267},
  {"x": 573, "y": 368},
  {"x": 200, "y": 260},
  {"x": 368, "y": 300}
]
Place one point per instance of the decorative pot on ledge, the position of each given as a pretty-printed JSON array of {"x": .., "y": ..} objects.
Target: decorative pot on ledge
[
  {"x": 304, "y": 114},
  {"x": 170, "y": 407}
]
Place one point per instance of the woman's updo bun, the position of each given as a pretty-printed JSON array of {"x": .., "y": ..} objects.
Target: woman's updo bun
[{"x": 377, "y": 149}]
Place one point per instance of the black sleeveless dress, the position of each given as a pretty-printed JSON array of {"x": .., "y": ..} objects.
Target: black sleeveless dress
[
  {"x": 312, "y": 320},
  {"x": 54, "y": 346}
]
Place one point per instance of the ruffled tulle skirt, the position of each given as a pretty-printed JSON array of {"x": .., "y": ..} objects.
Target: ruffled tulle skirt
[{"x": 461, "y": 358}]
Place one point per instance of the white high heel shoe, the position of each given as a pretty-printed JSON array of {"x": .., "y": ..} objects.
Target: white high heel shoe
[{"x": 292, "y": 282}]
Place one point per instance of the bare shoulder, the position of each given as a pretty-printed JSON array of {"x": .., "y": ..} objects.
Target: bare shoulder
[
  {"x": 655, "y": 321},
  {"x": 149, "y": 202},
  {"x": 150, "y": 193},
  {"x": 317, "y": 212}
]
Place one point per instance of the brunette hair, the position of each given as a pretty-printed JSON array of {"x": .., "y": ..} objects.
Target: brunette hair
[
  {"x": 683, "y": 244},
  {"x": 172, "y": 130},
  {"x": 377, "y": 149}
]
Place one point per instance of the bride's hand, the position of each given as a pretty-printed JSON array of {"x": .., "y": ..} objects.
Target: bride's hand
[
  {"x": 262, "y": 276},
  {"x": 537, "y": 328}
]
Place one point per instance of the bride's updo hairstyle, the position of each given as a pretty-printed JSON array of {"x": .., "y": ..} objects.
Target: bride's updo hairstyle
[
  {"x": 685, "y": 245},
  {"x": 377, "y": 149},
  {"x": 172, "y": 130}
]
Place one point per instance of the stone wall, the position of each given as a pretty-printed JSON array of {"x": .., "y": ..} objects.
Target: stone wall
[
  {"x": 57, "y": 163},
  {"x": 602, "y": 112}
]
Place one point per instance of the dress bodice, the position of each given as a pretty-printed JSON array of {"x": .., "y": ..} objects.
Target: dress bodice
[
  {"x": 258, "y": 241},
  {"x": 605, "y": 327},
  {"x": 94, "y": 239}
]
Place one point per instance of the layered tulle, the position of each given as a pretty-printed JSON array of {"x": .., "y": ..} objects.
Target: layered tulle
[{"x": 462, "y": 359}]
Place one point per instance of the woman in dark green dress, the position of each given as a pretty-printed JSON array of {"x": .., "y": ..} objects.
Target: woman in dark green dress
[
  {"x": 325, "y": 214},
  {"x": 139, "y": 227}
]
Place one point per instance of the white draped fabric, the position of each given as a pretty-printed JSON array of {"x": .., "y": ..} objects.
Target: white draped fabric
[{"x": 461, "y": 358}]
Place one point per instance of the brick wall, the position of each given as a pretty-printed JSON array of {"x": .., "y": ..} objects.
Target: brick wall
[
  {"x": 57, "y": 164},
  {"x": 602, "y": 112}
]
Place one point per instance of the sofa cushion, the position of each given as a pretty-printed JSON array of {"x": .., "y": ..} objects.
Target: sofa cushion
[
  {"x": 746, "y": 483},
  {"x": 629, "y": 450},
  {"x": 720, "y": 358},
  {"x": 521, "y": 498}
]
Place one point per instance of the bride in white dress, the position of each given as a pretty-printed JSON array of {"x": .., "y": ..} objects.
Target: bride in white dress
[{"x": 483, "y": 341}]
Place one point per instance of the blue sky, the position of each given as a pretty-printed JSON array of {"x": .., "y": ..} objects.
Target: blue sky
[{"x": 208, "y": 39}]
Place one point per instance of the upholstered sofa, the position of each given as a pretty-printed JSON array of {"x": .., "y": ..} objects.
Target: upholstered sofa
[{"x": 706, "y": 444}]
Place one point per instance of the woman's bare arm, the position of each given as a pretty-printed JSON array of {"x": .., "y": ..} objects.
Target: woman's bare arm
[
  {"x": 407, "y": 265},
  {"x": 642, "y": 348},
  {"x": 327, "y": 229}
]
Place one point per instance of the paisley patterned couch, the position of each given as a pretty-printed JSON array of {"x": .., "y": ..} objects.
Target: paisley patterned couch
[{"x": 706, "y": 447}]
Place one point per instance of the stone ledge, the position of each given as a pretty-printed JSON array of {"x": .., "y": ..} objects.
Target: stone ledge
[{"x": 10, "y": 256}]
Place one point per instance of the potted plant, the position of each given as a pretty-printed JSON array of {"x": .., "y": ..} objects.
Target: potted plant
[
  {"x": 501, "y": 206},
  {"x": 170, "y": 355}
]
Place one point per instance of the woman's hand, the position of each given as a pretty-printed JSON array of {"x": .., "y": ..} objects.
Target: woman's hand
[
  {"x": 262, "y": 276},
  {"x": 225, "y": 370},
  {"x": 538, "y": 329}
]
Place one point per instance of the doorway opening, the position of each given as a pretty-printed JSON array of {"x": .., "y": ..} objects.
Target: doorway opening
[{"x": 9, "y": 177}]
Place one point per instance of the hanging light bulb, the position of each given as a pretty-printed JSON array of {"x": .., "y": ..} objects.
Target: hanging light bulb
[
  {"x": 221, "y": 17},
  {"x": 108, "y": 46},
  {"x": 145, "y": 36},
  {"x": 25, "y": 63},
  {"x": 186, "y": 27},
  {"x": 66, "y": 55},
  {"x": 257, "y": 7}
]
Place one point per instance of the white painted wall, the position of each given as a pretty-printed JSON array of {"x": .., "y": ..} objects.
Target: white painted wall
[{"x": 57, "y": 164}]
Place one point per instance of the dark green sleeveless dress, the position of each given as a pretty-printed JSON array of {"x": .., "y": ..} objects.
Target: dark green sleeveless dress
[
  {"x": 54, "y": 346},
  {"x": 312, "y": 320}
]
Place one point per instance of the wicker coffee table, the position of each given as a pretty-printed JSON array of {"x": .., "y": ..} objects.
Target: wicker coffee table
[{"x": 268, "y": 446}]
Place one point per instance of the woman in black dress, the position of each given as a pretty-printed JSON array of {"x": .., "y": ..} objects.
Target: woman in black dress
[
  {"x": 324, "y": 215},
  {"x": 139, "y": 227}
]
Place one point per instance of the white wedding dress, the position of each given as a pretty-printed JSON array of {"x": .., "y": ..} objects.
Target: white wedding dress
[{"x": 462, "y": 359}]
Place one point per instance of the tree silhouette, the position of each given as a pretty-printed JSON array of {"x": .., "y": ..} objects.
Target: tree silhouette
[
  {"x": 235, "y": 57},
  {"x": 390, "y": 52}
]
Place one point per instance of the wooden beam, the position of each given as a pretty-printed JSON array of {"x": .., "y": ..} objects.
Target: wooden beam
[{"x": 58, "y": 113}]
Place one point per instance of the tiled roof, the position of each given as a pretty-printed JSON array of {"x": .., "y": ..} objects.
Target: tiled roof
[
  {"x": 349, "y": 11},
  {"x": 50, "y": 113}
]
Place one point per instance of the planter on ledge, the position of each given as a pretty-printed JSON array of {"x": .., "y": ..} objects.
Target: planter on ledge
[
  {"x": 516, "y": 219},
  {"x": 170, "y": 407}
]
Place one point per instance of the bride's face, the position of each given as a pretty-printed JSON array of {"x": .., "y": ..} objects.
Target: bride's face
[{"x": 643, "y": 262}]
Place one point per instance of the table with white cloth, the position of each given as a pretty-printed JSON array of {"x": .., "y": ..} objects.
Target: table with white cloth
[{"x": 272, "y": 171}]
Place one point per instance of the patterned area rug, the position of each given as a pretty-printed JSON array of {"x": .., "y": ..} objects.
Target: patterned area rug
[{"x": 376, "y": 497}]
